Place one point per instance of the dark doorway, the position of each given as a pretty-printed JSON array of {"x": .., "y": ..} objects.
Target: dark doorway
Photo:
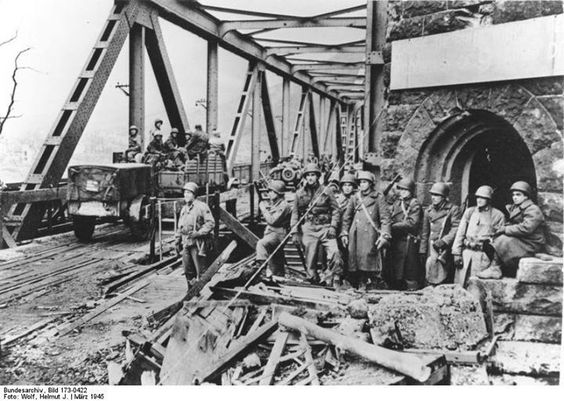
[{"x": 472, "y": 149}]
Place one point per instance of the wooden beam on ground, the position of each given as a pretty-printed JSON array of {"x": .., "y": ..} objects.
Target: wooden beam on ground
[
  {"x": 238, "y": 228},
  {"x": 243, "y": 345},
  {"x": 309, "y": 359},
  {"x": 274, "y": 358}
]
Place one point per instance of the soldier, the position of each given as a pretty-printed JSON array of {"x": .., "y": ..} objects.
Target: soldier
[
  {"x": 366, "y": 232},
  {"x": 171, "y": 144},
  {"x": 403, "y": 269},
  {"x": 198, "y": 143},
  {"x": 134, "y": 148},
  {"x": 440, "y": 222},
  {"x": 216, "y": 143},
  {"x": 348, "y": 185},
  {"x": 522, "y": 236},
  {"x": 156, "y": 145},
  {"x": 477, "y": 226},
  {"x": 319, "y": 226},
  {"x": 277, "y": 214},
  {"x": 193, "y": 239},
  {"x": 157, "y": 128}
]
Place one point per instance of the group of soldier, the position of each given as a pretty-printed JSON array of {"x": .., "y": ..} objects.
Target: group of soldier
[
  {"x": 356, "y": 236},
  {"x": 170, "y": 155}
]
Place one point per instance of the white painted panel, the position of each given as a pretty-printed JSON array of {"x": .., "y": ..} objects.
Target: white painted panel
[{"x": 515, "y": 50}]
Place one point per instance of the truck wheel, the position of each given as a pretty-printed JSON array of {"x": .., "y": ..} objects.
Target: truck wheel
[{"x": 83, "y": 227}]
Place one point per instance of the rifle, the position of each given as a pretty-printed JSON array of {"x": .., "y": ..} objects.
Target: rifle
[
  {"x": 391, "y": 185},
  {"x": 442, "y": 254}
]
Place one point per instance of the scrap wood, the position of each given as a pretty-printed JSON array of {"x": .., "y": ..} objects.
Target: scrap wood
[
  {"x": 238, "y": 349},
  {"x": 309, "y": 359},
  {"x": 294, "y": 374},
  {"x": 148, "y": 347},
  {"x": 37, "y": 326},
  {"x": 215, "y": 303},
  {"x": 69, "y": 327},
  {"x": 462, "y": 357},
  {"x": 274, "y": 358},
  {"x": 404, "y": 363},
  {"x": 259, "y": 319}
]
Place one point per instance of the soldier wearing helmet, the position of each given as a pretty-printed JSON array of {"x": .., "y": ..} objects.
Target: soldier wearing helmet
[
  {"x": 193, "y": 235},
  {"x": 477, "y": 226},
  {"x": 175, "y": 154},
  {"x": 315, "y": 219},
  {"x": 440, "y": 222},
  {"x": 522, "y": 236},
  {"x": 402, "y": 268},
  {"x": 157, "y": 128},
  {"x": 198, "y": 144},
  {"x": 134, "y": 148},
  {"x": 366, "y": 232},
  {"x": 277, "y": 214}
]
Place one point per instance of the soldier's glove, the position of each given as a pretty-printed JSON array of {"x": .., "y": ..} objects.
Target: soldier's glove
[
  {"x": 439, "y": 245},
  {"x": 331, "y": 233},
  {"x": 458, "y": 261},
  {"x": 422, "y": 260},
  {"x": 345, "y": 241},
  {"x": 381, "y": 243}
]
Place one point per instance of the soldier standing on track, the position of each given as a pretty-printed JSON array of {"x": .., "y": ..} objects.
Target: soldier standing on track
[
  {"x": 440, "y": 223},
  {"x": 366, "y": 232},
  {"x": 277, "y": 214},
  {"x": 319, "y": 228},
  {"x": 402, "y": 268},
  {"x": 477, "y": 226},
  {"x": 193, "y": 239},
  {"x": 522, "y": 236}
]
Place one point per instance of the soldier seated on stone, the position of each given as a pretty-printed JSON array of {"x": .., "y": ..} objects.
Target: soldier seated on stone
[
  {"x": 440, "y": 222},
  {"x": 521, "y": 236},
  {"x": 477, "y": 226},
  {"x": 403, "y": 270},
  {"x": 318, "y": 227},
  {"x": 193, "y": 238},
  {"x": 277, "y": 214},
  {"x": 366, "y": 232},
  {"x": 134, "y": 148}
]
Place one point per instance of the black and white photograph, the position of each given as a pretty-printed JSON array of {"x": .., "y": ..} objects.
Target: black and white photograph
[{"x": 197, "y": 194}]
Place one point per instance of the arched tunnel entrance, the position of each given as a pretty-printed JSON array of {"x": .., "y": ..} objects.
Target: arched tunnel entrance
[{"x": 474, "y": 148}]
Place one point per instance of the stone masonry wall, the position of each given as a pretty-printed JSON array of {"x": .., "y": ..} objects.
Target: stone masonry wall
[{"x": 535, "y": 107}]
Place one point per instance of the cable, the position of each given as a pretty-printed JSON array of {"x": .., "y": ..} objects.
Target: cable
[{"x": 265, "y": 263}]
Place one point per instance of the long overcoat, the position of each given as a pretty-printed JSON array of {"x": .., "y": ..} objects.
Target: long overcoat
[
  {"x": 524, "y": 233},
  {"x": 362, "y": 236}
]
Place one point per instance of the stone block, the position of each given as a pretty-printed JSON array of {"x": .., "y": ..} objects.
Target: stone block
[
  {"x": 555, "y": 106},
  {"x": 418, "y": 8},
  {"x": 413, "y": 96},
  {"x": 544, "y": 86},
  {"x": 405, "y": 29},
  {"x": 528, "y": 358},
  {"x": 398, "y": 116},
  {"x": 536, "y": 271},
  {"x": 537, "y": 127},
  {"x": 389, "y": 143},
  {"x": 507, "y": 11},
  {"x": 387, "y": 52},
  {"x": 474, "y": 97},
  {"x": 510, "y": 101},
  {"x": 537, "y": 328},
  {"x": 552, "y": 205},
  {"x": 545, "y": 160},
  {"x": 511, "y": 296},
  {"x": 443, "y": 22}
]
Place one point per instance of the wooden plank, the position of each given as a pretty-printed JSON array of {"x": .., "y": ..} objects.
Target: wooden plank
[
  {"x": 36, "y": 326},
  {"x": 274, "y": 358},
  {"x": 309, "y": 359},
  {"x": 8, "y": 239},
  {"x": 534, "y": 47},
  {"x": 8, "y": 198},
  {"x": 99, "y": 310},
  {"x": 243, "y": 345},
  {"x": 239, "y": 229}
]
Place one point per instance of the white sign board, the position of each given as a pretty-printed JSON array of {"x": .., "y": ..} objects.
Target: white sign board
[{"x": 516, "y": 50}]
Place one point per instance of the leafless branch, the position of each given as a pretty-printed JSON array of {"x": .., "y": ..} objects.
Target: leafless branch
[
  {"x": 14, "y": 88},
  {"x": 9, "y": 40}
]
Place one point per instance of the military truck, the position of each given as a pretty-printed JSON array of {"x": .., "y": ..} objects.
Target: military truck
[{"x": 110, "y": 191}]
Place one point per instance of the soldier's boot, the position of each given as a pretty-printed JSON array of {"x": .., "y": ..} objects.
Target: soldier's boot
[{"x": 492, "y": 272}]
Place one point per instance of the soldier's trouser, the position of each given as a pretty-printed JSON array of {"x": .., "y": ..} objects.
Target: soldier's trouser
[
  {"x": 313, "y": 236},
  {"x": 266, "y": 246},
  {"x": 473, "y": 262},
  {"x": 193, "y": 262}
]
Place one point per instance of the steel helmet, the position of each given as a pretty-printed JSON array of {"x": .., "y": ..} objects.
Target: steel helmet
[
  {"x": 191, "y": 186},
  {"x": 174, "y": 131},
  {"x": 158, "y": 133},
  {"x": 133, "y": 127},
  {"x": 439, "y": 188},
  {"x": 407, "y": 183},
  {"x": 485, "y": 191},
  {"x": 521, "y": 186},
  {"x": 312, "y": 168},
  {"x": 365, "y": 175},
  {"x": 277, "y": 186},
  {"x": 348, "y": 178},
  {"x": 158, "y": 120}
]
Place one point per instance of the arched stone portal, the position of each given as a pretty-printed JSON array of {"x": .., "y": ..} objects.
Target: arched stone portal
[{"x": 473, "y": 148}]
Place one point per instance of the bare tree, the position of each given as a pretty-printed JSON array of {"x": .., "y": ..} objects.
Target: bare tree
[{"x": 17, "y": 67}]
